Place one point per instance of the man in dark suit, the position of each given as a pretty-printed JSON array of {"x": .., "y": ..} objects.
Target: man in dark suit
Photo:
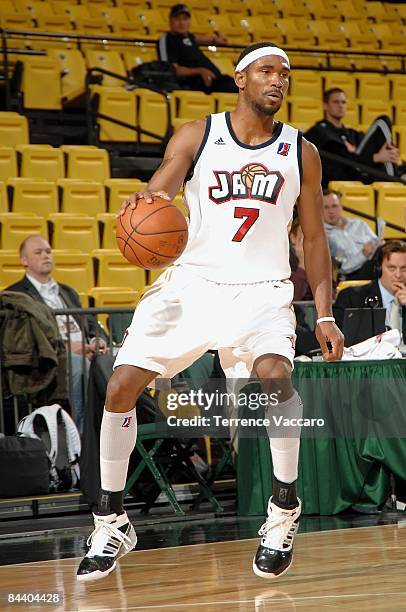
[
  {"x": 36, "y": 257},
  {"x": 387, "y": 291}
]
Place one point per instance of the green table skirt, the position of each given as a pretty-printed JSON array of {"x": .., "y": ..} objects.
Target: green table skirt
[{"x": 338, "y": 472}]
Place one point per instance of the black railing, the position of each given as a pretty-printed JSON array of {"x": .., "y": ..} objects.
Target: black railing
[{"x": 93, "y": 114}]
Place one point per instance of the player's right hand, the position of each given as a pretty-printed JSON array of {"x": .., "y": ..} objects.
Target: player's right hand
[{"x": 145, "y": 194}]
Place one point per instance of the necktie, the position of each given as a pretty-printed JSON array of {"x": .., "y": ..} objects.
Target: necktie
[{"x": 394, "y": 317}]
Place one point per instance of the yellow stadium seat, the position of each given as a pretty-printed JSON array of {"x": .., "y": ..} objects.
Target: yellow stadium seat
[
  {"x": 33, "y": 196},
  {"x": 305, "y": 111},
  {"x": 8, "y": 163},
  {"x": 350, "y": 12},
  {"x": 41, "y": 162},
  {"x": 3, "y": 198},
  {"x": 152, "y": 115},
  {"x": 15, "y": 228},
  {"x": 11, "y": 269},
  {"x": 228, "y": 6},
  {"x": 110, "y": 13},
  {"x": 373, "y": 87},
  {"x": 73, "y": 70},
  {"x": 400, "y": 113},
  {"x": 93, "y": 27},
  {"x": 381, "y": 12},
  {"x": 106, "y": 297},
  {"x": 128, "y": 29},
  {"x": 150, "y": 18},
  {"x": 192, "y": 105},
  {"x": 54, "y": 23},
  {"x": 120, "y": 104},
  {"x": 108, "y": 223},
  {"x": 74, "y": 11},
  {"x": 74, "y": 269},
  {"x": 292, "y": 8},
  {"x": 41, "y": 83},
  {"x": 16, "y": 21},
  {"x": 373, "y": 108},
  {"x": 36, "y": 9},
  {"x": 114, "y": 270},
  {"x": 114, "y": 297},
  {"x": 224, "y": 64},
  {"x": 109, "y": 60},
  {"x": 390, "y": 206},
  {"x": 138, "y": 56},
  {"x": 351, "y": 283},
  {"x": 321, "y": 10},
  {"x": 305, "y": 83},
  {"x": 119, "y": 190},
  {"x": 225, "y": 101},
  {"x": 356, "y": 195},
  {"x": 7, "y": 6},
  {"x": 345, "y": 80},
  {"x": 88, "y": 164},
  {"x": 82, "y": 197},
  {"x": 13, "y": 129},
  {"x": 74, "y": 232}
]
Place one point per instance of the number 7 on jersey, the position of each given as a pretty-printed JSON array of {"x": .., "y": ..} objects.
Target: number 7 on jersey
[{"x": 251, "y": 215}]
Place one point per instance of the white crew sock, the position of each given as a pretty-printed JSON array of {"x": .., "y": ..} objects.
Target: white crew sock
[
  {"x": 117, "y": 441},
  {"x": 285, "y": 450}
]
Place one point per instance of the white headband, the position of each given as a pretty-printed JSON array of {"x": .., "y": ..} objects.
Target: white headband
[{"x": 257, "y": 53}]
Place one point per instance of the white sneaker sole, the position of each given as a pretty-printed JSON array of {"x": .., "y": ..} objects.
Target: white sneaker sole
[
  {"x": 267, "y": 575},
  {"x": 98, "y": 575}
]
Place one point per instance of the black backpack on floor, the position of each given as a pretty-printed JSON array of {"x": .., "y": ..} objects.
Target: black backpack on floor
[{"x": 24, "y": 467}]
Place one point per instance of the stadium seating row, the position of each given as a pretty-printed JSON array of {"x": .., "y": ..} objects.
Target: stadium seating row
[
  {"x": 44, "y": 197},
  {"x": 89, "y": 229},
  {"x": 236, "y": 23},
  {"x": 100, "y": 268},
  {"x": 62, "y": 74}
]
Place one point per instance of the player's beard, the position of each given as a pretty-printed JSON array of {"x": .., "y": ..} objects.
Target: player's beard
[{"x": 264, "y": 110}]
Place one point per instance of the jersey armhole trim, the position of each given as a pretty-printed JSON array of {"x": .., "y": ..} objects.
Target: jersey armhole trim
[
  {"x": 299, "y": 154},
  {"x": 204, "y": 140}
]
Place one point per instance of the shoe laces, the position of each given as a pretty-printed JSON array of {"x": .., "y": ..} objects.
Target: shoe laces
[
  {"x": 278, "y": 530},
  {"x": 100, "y": 543}
]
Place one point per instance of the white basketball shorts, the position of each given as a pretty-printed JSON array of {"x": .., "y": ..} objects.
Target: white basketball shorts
[{"x": 183, "y": 315}]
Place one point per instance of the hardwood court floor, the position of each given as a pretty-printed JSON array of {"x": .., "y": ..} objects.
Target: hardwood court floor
[{"x": 351, "y": 569}]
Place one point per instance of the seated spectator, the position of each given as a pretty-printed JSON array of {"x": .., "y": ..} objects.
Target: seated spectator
[
  {"x": 388, "y": 290},
  {"x": 193, "y": 69},
  {"x": 298, "y": 277},
  {"x": 36, "y": 257},
  {"x": 352, "y": 242},
  {"x": 374, "y": 149}
]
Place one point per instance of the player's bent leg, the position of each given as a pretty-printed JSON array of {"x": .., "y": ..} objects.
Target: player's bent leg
[
  {"x": 113, "y": 534},
  {"x": 275, "y": 551}
]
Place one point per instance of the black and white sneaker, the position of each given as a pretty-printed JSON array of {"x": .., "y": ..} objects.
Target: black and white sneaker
[
  {"x": 113, "y": 537},
  {"x": 275, "y": 553}
]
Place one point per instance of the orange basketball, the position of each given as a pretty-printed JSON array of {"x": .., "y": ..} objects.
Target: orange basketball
[{"x": 153, "y": 235}]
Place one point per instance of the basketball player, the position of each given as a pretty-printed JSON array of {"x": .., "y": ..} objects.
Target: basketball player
[{"x": 229, "y": 290}]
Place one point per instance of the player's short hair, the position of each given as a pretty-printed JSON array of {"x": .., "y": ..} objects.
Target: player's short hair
[
  {"x": 329, "y": 92},
  {"x": 254, "y": 47}
]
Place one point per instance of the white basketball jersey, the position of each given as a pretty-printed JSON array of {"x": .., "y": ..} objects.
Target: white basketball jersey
[{"x": 241, "y": 200}]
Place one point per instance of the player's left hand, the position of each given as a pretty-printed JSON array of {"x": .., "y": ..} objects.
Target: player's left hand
[{"x": 331, "y": 340}]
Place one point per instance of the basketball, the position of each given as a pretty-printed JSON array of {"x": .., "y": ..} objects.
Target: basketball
[
  {"x": 153, "y": 235},
  {"x": 249, "y": 171}
]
